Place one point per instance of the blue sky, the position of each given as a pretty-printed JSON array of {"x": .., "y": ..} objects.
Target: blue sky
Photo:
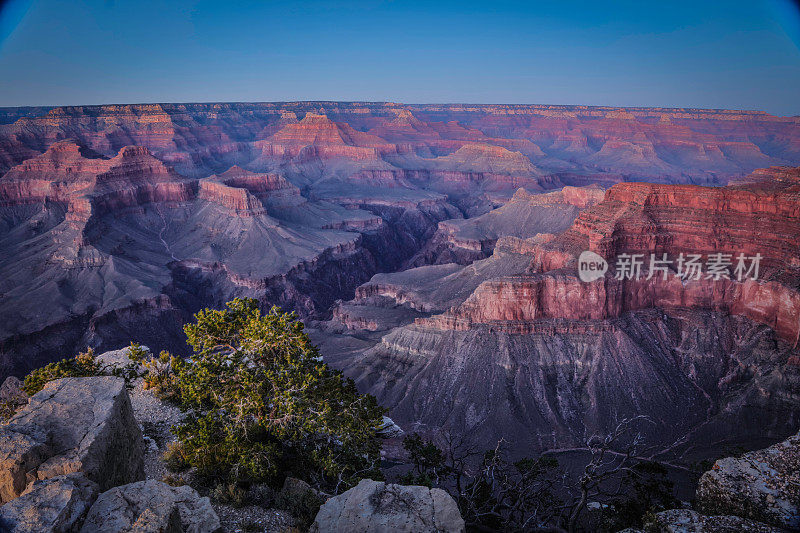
[{"x": 727, "y": 54}]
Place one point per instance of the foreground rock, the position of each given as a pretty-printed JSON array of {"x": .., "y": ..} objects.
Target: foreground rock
[
  {"x": 294, "y": 491},
  {"x": 763, "y": 485},
  {"x": 373, "y": 506},
  {"x": 685, "y": 520},
  {"x": 151, "y": 506},
  {"x": 120, "y": 359},
  {"x": 11, "y": 391},
  {"x": 54, "y": 505},
  {"x": 72, "y": 425}
]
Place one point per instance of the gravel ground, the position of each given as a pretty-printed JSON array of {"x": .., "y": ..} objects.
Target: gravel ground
[
  {"x": 155, "y": 417},
  {"x": 252, "y": 518}
]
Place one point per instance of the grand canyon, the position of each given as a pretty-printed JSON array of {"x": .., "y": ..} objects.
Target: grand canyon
[
  {"x": 431, "y": 251},
  {"x": 399, "y": 266}
]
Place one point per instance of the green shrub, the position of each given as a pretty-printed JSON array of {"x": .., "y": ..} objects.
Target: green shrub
[
  {"x": 82, "y": 365},
  {"x": 303, "y": 508},
  {"x": 230, "y": 493},
  {"x": 136, "y": 353},
  {"x": 428, "y": 462},
  {"x": 85, "y": 364},
  {"x": 651, "y": 523},
  {"x": 174, "y": 480},
  {"x": 174, "y": 458},
  {"x": 160, "y": 376},
  {"x": 260, "y": 403},
  {"x": 7, "y": 410},
  {"x": 130, "y": 371},
  {"x": 299, "y": 500}
]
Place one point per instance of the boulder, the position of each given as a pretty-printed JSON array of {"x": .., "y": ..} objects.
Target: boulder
[
  {"x": 374, "y": 506},
  {"x": 118, "y": 358},
  {"x": 295, "y": 489},
  {"x": 688, "y": 521},
  {"x": 151, "y": 506},
  {"x": 72, "y": 425},
  {"x": 20, "y": 455},
  {"x": 299, "y": 500},
  {"x": 763, "y": 485},
  {"x": 389, "y": 429},
  {"x": 11, "y": 391},
  {"x": 55, "y": 505}
]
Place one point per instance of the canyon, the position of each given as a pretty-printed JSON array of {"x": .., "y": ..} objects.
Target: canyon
[
  {"x": 431, "y": 251},
  {"x": 517, "y": 345}
]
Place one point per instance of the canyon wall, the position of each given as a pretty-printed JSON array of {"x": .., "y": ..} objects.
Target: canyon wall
[
  {"x": 497, "y": 146},
  {"x": 531, "y": 353},
  {"x": 98, "y": 251}
]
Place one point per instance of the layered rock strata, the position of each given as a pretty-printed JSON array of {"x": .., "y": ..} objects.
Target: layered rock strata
[
  {"x": 533, "y": 354},
  {"x": 125, "y": 248}
]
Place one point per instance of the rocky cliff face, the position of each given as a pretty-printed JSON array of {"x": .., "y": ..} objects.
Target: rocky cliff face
[
  {"x": 64, "y": 175},
  {"x": 73, "y": 460},
  {"x": 532, "y": 353},
  {"x": 465, "y": 241},
  {"x": 755, "y": 492},
  {"x": 81, "y": 425},
  {"x": 760, "y": 485},
  {"x": 378, "y": 506},
  {"x": 461, "y": 142},
  {"x": 98, "y": 250},
  {"x": 761, "y": 219}
]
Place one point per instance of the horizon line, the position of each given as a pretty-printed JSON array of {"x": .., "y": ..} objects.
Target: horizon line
[{"x": 392, "y": 103}]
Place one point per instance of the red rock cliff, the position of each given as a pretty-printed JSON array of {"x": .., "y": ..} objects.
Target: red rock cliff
[{"x": 762, "y": 217}]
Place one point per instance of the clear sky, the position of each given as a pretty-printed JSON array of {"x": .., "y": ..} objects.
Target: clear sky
[{"x": 722, "y": 54}]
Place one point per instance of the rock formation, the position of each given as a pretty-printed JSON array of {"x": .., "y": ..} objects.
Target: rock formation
[
  {"x": 151, "y": 506},
  {"x": 72, "y": 460},
  {"x": 55, "y": 505},
  {"x": 373, "y": 506},
  {"x": 756, "y": 492},
  {"x": 682, "y": 520},
  {"x": 517, "y": 346},
  {"x": 135, "y": 216},
  {"x": 201, "y": 139},
  {"x": 126, "y": 249},
  {"x": 118, "y": 222},
  {"x": 72, "y": 425},
  {"x": 463, "y": 241},
  {"x": 763, "y": 485},
  {"x": 11, "y": 391}
]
